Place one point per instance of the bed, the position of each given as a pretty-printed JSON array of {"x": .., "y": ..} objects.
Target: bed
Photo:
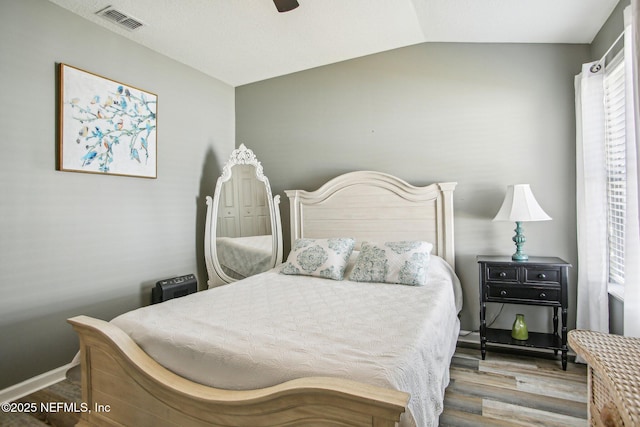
[
  {"x": 242, "y": 257},
  {"x": 355, "y": 353}
]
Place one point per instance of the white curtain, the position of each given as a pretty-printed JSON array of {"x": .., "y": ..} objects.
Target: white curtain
[
  {"x": 591, "y": 197},
  {"x": 592, "y": 309},
  {"x": 632, "y": 224}
]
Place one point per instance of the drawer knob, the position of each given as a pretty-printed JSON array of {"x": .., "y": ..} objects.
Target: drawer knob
[
  {"x": 542, "y": 276},
  {"x": 502, "y": 274},
  {"x": 503, "y": 293},
  {"x": 543, "y": 295}
]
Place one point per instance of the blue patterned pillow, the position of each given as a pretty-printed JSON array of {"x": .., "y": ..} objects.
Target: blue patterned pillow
[
  {"x": 404, "y": 262},
  {"x": 319, "y": 257}
]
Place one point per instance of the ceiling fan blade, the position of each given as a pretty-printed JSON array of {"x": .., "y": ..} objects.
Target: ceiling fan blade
[{"x": 285, "y": 5}]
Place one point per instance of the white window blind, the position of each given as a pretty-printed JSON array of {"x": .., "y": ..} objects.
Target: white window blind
[{"x": 614, "y": 104}]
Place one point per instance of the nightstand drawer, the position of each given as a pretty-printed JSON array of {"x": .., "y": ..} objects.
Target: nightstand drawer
[
  {"x": 502, "y": 273},
  {"x": 496, "y": 291},
  {"x": 542, "y": 275}
]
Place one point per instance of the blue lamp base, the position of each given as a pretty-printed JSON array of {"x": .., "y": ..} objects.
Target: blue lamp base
[{"x": 519, "y": 240}]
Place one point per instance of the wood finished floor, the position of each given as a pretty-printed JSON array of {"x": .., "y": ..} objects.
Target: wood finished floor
[{"x": 506, "y": 389}]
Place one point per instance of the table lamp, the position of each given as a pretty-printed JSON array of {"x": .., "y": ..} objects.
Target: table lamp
[{"x": 519, "y": 205}]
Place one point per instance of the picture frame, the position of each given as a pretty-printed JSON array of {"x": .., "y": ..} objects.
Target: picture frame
[{"x": 105, "y": 127}]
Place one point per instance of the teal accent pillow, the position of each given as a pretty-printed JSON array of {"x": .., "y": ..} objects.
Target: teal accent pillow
[
  {"x": 319, "y": 257},
  {"x": 405, "y": 262}
]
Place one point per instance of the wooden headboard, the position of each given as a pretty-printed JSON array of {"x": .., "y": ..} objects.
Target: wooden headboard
[{"x": 374, "y": 206}]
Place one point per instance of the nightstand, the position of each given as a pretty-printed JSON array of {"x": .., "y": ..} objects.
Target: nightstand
[{"x": 540, "y": 281}]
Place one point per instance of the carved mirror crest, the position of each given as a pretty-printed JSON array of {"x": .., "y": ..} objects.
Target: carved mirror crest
[{"x": 243, "y": 232}]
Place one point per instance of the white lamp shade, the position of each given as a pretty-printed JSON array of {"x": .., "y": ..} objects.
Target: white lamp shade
[{"x": 520, "y": 205}]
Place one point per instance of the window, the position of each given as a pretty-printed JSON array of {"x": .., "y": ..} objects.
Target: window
[
  {"x": 614, "y": 108},
  {"x": 607, "y": 186}
]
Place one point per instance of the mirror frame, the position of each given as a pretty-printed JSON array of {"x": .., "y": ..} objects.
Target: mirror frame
[{"x": 240, "y": 156}]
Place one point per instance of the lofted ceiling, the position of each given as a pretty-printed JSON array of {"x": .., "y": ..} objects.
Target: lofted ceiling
[{"x": 244, "y": 41}]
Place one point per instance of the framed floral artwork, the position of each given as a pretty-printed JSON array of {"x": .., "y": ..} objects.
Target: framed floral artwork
[{"x": 106, "y": 127}]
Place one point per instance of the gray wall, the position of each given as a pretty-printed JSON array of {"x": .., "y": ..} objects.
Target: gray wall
[
  {"x": 483, "y": 115},
  {"x": 73, "y": 243},
  {"x": 610, "y": 32}
]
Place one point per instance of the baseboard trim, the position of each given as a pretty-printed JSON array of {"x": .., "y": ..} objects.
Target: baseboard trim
[
  {"x": 36, "y": 383},
  {"x": 472, "y": 337}
]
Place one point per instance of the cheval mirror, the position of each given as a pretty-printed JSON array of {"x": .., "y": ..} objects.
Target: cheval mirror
[{"x": 243, "y": 233}]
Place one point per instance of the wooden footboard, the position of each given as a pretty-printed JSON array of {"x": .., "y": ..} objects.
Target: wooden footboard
[{"x": 122, "y": 385}]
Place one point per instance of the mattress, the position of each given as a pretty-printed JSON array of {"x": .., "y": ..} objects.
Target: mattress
[
  {"x": 271, "y": 328},
  {"x": 245, "y": 256}
]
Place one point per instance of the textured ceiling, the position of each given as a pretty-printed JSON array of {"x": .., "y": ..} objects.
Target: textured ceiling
[{"x": 243, "y": 41}]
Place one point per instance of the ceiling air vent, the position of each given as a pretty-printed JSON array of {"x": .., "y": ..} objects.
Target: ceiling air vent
[{"x": 111, "y": 14}]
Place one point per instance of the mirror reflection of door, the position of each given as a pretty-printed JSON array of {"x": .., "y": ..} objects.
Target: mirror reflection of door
[
  {"x": 244, "y": 207},
  {"x": 243, "y": 233}
]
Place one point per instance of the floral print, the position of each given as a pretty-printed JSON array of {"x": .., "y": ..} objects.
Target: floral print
[
  {"x": 312, "y": 258},
  {"x": 403, "y": 262},
  {"x": 371, "y": 265},
  {"x": 402, "y": 247},
  {"x": 414, "y": 271},
  {"x": 319, "y": 257}
]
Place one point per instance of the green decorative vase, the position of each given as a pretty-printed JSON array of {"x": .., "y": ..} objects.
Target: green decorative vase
[{"x": 519, "y": 331}]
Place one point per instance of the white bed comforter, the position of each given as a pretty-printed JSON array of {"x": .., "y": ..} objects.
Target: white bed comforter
[
  {"x": 272, "y": 328},
  {"x": 245, "y": 256}
]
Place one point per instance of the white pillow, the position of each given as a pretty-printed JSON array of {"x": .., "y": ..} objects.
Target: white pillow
[
  {"x": 405, "y": 262},
  {"x": 319, "y": 257}
]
